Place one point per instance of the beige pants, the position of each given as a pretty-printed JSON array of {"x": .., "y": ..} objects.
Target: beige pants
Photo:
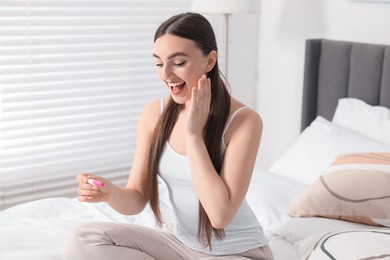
[{"x": 116, "y": 241}]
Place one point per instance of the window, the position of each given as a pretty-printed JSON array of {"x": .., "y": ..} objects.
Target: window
[{"x": 74, "y": 76}]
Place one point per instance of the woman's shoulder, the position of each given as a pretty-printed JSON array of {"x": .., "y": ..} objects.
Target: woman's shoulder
[
  {"x": 151, "y": 113},
  {"x": 156, "y": 106},
  {"x": 242, "y": 119},
  {"x": 242, "y": 112},
  {"x": 152, "y": 107}
]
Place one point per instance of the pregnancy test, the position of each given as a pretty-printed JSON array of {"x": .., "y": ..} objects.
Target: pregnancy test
[{"x": 95, "y": 182}]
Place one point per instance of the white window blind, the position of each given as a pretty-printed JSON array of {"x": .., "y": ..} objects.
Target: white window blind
[{"x": 74, "y": 75}]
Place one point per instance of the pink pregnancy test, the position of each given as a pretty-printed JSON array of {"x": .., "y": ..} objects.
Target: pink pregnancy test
[{"x": 95, "y": 182}]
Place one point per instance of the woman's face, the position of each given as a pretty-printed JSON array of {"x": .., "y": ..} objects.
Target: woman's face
[{"x": 179, "y": 64}]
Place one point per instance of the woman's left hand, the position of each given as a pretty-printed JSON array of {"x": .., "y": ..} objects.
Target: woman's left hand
[{"x": 199, "y": 109}]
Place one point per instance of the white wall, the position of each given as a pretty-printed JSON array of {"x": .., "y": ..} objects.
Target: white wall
[
  {"x": 243, "y": 61},
  {"x": 283, "y": 27},
  {"x": 242, "y": 53}
]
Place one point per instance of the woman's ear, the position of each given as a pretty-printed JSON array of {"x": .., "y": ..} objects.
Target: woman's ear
[{"x": 211, "y": 60}]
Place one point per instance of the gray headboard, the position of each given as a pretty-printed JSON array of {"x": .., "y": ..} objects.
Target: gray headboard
[{"x": 337, "y": 69}]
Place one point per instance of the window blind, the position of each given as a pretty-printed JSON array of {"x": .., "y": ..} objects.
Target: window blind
[{"x": 74, "y": 76}]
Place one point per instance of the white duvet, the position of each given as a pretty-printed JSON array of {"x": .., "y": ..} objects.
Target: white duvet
[{"x": 36, "y": 230}]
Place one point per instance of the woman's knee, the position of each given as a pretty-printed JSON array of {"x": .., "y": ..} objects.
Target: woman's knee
[{"x": 83, "y": 237}]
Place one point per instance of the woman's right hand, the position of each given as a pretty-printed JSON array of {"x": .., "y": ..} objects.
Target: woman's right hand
[{"x": 92, "y": 193}]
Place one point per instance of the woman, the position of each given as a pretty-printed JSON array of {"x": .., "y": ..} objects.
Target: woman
[{"x": 203, "y": 143}]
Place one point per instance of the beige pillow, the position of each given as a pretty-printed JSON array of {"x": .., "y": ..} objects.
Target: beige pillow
[{"x": 356, "y": 187}]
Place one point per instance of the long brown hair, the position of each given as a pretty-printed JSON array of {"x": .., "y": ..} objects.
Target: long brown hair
[{"x": 197, "y": 28}]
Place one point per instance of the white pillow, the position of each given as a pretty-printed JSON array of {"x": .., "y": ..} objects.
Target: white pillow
[
  {"x": 317, "y": 146},
  {"x": 347, "y": 244},
  {"x": 269, "y": 195},
  {"x": 297, "y": 229},
  {"x": 357, "y": 115}
]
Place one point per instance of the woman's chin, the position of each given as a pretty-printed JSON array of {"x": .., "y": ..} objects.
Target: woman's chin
[{"x": 179, "y": 100}]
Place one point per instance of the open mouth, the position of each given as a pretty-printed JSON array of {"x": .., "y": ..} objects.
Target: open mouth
[{"x": 176, "y": 87}]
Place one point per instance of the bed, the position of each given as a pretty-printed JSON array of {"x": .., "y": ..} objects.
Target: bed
[
  {"x": 340, "y": 156},
  {"x": 326, "y": 197}
]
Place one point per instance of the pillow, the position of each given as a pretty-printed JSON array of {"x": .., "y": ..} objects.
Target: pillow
[
  {"x": 269, "y": 195},
  {"x": 297, "y": 229},
  {"x": 357, "y": 115},
  {"x": 348, "y": 244},
  {"x": 317, "y": 146},
  {"x": 354, "y": 188}
]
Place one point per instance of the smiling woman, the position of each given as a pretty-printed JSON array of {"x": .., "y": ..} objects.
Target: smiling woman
[
  {"x": 209, "y": 137},
  {"x": 176, "y": 87},
  {"x": 181, "y": 70},
  {"x": 74, "y": 76}
]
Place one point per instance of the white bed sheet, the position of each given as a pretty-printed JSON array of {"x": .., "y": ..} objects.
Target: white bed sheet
[
  {"x": 37, "y": 229},
  {"x": 282, "y": 248}
]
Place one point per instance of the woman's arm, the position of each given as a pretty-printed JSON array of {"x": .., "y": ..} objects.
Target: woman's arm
[
  {"x": 129, "y": 200},
  {"x": 221, "y": 195}
]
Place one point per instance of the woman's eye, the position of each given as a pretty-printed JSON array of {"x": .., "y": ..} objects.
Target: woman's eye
[
  {"x": 159, "y": 65},
  {"x": 179, "y": 64}
]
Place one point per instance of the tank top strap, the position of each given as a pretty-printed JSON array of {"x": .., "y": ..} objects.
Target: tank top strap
[
  {"x": 232, "y": 118},
  {"x": 161, "y": 105}
]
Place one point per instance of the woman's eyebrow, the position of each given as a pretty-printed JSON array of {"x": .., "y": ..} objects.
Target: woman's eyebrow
[{"x": 173, "y": 55}]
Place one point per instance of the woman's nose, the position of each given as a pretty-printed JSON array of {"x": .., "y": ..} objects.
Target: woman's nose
[{"x": 166, "y": 72}]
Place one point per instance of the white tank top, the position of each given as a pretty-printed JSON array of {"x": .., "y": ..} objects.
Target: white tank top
[{"x": 242, "y": 234}]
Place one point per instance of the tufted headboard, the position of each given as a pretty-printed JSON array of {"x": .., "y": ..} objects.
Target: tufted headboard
[{"x": 337, "y": 69}]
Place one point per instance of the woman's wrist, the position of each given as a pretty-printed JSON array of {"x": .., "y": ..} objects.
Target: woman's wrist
[{"x": 194, "y": 138}]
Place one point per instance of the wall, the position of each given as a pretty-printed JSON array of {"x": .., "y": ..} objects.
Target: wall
[
  {"x": 243, "y": 61},
  {"x": 283, "y": 27},
  {"x": 242, "y": 53}
]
